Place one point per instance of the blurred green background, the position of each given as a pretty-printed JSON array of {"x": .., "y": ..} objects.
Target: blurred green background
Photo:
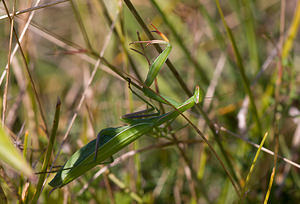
[{"x": 64, "y": 40}]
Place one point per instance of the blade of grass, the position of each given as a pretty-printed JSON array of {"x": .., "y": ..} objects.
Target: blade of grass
[
  {"x": 48, "y": 153},
  {"x": 81, "y": 25},
  {"x": 26, "y": 137},
  {"x": 292, "y": 33},
  {"x": 121, "y": 185},
  {"x": 12, "y": 21},
  {"x": 121, "y": 39},
  {"x": 10, "y": 155},
  {"x": 200, "y": 70},
  {"x": 241, "y": 68},
  {"x": 250, "y": 33},
  {"x": 263, "y": 149},
  {"x": 244, "y": 10},
  {"x": 34, "y": 8},
  {"x": 273, "y": 171},
  {"x": 108, "y": 187},
  {"x": 244, "y": 189},
  {"x": 216, "y": 33},
  {"x": 20, "y": 39}
]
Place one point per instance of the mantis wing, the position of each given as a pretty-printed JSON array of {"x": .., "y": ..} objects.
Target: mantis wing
[{"x": 112, "y": 140}]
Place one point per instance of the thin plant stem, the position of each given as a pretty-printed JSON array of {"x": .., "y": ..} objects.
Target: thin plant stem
[
  {"x": 34, "y": 8},
  {"x": 12, "y": 21},
  {"x": 121, "y": 39},
  {"x": 29, "y": 74},
  {"x": 81, "y": 25},
  {"x": 200, "y": 70},
  {"x": 20, "y": 39},
  {"x": 109, "y": 189}
]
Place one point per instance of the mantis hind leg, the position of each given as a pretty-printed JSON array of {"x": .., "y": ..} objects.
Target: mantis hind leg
[
  {"x": 143, "y": 113},
  {"x": 96, "y": 151},
  {"x": 97, "y": 145}
]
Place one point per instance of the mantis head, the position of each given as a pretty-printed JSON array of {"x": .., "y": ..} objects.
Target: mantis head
[{"x": 198, "y": 95}]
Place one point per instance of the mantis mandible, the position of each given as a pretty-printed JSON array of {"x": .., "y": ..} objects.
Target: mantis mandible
[{"x": 110, "y": 140}]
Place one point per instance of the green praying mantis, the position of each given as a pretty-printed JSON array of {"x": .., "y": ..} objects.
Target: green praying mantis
[{"x": 111, "y": 140}]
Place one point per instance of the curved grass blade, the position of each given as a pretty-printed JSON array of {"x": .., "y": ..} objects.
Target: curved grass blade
[
  {"x": 11, "y": 156},
  {"x": 244, "y": 190}
]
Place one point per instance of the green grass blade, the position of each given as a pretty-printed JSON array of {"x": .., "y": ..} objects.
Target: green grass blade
[
  {"x": 292, "y": 33},
  {"x": 48, "y": 153},
  {"x": 244, "y": 10},
  {"x": 252, "y": 168},
  {"x": 251, "y": 35},
  {"x": 81, "y": 25},
  {"x": 10, "y": 155},
  {"x": 123, "y": 186},
  {"x": 241, "y": 68}
]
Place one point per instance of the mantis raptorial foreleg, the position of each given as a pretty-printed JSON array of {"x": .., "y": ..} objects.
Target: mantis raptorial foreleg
[{"x": 154, "y": 69}]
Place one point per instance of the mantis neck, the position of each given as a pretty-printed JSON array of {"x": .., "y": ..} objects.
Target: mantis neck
[{"x": 180, "y": 109}]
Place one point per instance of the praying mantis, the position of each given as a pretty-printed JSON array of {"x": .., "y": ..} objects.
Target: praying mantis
[{"x": 111, "y": 140}]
